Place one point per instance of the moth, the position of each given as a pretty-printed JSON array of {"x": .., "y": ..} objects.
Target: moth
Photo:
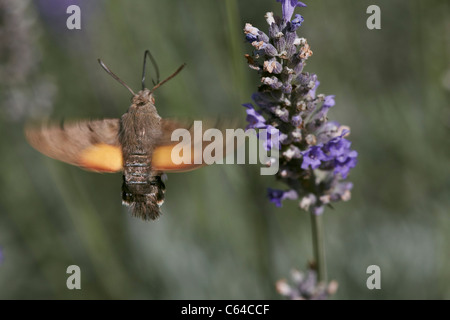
[{"x": 139, "y": 144}]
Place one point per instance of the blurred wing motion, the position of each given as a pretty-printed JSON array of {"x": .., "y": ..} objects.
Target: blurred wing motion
[
  {"x": 92, "y": 145},
  {"x": 192, "y": 143}
]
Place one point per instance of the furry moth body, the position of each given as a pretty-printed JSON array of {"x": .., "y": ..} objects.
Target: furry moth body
[
  {"x": 139, "y": 143},
  {"x": 140, "y": 129}
]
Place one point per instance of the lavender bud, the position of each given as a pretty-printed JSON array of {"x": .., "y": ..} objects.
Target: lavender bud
[
  {"x": 273, "y": 30},
  {"x": 287, "y": 102},
  {"x": 299, "y": 41},
  {"x": 280, "y": 42},
  {"x": 299, "y": 67},
  {"x": 284, "y": 173},
  {"x": 249, "y": 29},
  {"x": 284, "y": 138},
  {"x": 259, "y": 44},
  {"x": 296, "y": 22},
  {"x": 301, "y": 105},
  {"x": 283, "y": 114},
  {"x": 346, "y": 196},
  {"x": 296, "y": 121},
  {"x": 292, "y": 153},
  {"x": 311, "y": 84},
  {"x": 296, "y": 135},
  {"x": 287, "y": 88},
  {"x": 290, "y": 51},
  {"x": 279, "y": 35},
  {"x": 283, "y": 55},
  {"x": 303, "y": 79},
  {"x": 273, "y": 82},
  {"x": 251, "y": 38},
  {"x": 273, "y": 66},
  {"x": 343, "y": 131},
  {"x": 311, "y": 139},
  {"x": 269, "y": 18},
  {"x": 325, "y": 199},
  {"x": 283, "y": 288},
  {"x": 308, "y": 201},
  {"x": 270, "y": 50},
  {"x": 305, "y": 52},
  {"x": 263, "y": 37},
  {"x": 290, "y": 39},
  {"x": 288, "y": 70},
  {"x": 327, "y": 131}
]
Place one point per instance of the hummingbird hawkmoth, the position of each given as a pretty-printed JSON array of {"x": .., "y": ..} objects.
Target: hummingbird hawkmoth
[{"x": 139, "y": 143}]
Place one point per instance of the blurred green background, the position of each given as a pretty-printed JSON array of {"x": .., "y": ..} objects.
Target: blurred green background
[{"x": 219, "y": 237}]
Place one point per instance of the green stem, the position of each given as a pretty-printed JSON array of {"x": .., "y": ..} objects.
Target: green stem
[{"x": 318, "y": 247}]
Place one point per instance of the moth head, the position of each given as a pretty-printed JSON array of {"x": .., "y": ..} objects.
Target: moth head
[{"x": 144, "y": 96}]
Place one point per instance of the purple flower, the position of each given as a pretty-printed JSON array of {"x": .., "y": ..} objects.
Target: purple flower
[
  {"x": 341, "y": 191},
  {"x": 337, "y": 147},
  {"x": 329, "y": 101},
  {"x": 288, "y": 7},
  {"x": 327, "y": 104},
  {"x": 276, "y": 196},
  {"x": 343, "y": 158},
  {"x": 343, "y": 164},
  {"x": 312, "y": 92},
  {"x": 254, "y": 118},
  {"x": 296, "y": 22},
  {"x": 271, "y": 137},
  {"x": 1, "y": 255},
  {"x": 313, "y": 157},
  {"x": 296, "y": 120},
  {"x": 251, "y": 37}
]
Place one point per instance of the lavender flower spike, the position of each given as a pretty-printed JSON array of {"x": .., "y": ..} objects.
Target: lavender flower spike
[
  {"x": 288, "y": 7},
  {"x": 314, "y": 155}
]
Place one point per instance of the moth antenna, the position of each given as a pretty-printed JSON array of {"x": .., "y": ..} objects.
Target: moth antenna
[
  {"x": 167, "y": 79},
  {"x": 112, "y": 74},
  {"x": 155, "y": 66}
]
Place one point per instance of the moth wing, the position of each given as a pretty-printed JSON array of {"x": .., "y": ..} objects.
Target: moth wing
[
  {"x": 169, "y": 155},
  {"x": 92, "y": 145}
]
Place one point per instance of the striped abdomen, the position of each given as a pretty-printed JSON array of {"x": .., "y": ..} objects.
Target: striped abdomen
[{"x": 141, "y": 189}]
